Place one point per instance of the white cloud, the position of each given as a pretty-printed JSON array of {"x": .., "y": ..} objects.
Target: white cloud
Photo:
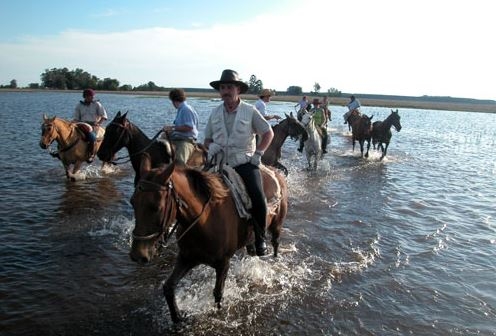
[{"x": 413, "y": 48}]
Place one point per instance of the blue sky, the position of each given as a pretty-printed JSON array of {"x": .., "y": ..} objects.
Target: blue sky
[{"x": 410, "y": 48}]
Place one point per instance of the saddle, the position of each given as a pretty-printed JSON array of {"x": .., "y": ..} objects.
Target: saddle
[
  {"x": 84, "y": 129},
  {"x": 237, "y": 187}
]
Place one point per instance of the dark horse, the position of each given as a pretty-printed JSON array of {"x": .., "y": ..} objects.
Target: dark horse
[
  {"x": 209, "y": 229},
  {"x": 123, "y": 133},
  {"x": 361, "y": 128},
  {"x": 290, "y": 126},
  {"x": 381, "y": 131}
]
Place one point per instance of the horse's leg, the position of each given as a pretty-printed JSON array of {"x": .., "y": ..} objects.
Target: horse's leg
[
  {"x": 280, "y": 166},
  {"x": 368, "y": 148},
  {"x": 180, "y": 269},
  {"x": 385, "y": 150},
  {"x": 221, "y": 273}
]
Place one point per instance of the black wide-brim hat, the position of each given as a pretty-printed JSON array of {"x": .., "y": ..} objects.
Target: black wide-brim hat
[{"x": 230, "y": 77}]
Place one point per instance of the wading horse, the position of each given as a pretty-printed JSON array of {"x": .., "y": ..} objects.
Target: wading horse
[
  {"x": 381, "y": 131},
  {"x": 208, "y": 227},
  {"x": 72, "y": 146},
  {"x": 123, "y": 133},
  {"x": 313, "y": 144},
  {"x": 287, "y": 127},
  {"x": 361, "y": 128}
]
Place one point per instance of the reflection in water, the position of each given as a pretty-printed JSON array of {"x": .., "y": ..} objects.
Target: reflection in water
[{"x": 89, "y": 197}]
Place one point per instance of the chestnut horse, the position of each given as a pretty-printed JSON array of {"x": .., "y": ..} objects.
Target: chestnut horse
[
  {"x": 208, "y": 227},
  {"x": 72, "y": 147},
  {"x": 361, "y": 128},
  {"x": 290, "y": 126},
  {"x": 123, "y": 133},
  {"x": 381, "y": 131}
]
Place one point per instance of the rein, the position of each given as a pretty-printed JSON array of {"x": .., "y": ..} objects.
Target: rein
[
  {"x": 128, "y": 157},
  {"x": 169, "y": 211},
  {"x": 61, "y": 149}
]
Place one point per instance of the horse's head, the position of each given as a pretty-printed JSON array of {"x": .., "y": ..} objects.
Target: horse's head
[
  {"x": 395, "y": 120},
  {"x": 295, "y": 128},
  {"x": 48, "y": 132},
  {"x": 116, "y": 136},
  {"x": 154, "y": 206},
  {"x": 366, "y": 123}
]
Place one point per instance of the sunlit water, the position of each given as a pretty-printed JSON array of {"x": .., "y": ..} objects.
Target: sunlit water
[{"x": 403, "y": 246}]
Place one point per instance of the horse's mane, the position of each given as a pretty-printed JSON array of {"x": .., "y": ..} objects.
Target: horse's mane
[{"x": 206, "y": 184}]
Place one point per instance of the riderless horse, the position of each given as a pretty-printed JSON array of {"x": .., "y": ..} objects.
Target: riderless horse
[
  {"x": 381, "y": 131},
  {"x": 72, "y": 144},
  {"x": 361, "y": 128},
  {"x": 287, "y": 127},
  {"x": 123, "y": 133},
  {"x": 209, "y": 228},
  {"x": 313, "y": 144}
]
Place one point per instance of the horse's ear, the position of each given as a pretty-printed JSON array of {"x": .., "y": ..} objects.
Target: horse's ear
[
  {"x": 45, "y": 117},
  {"x": 118, "y": 115},
  {"x": 289, "y": 116},
  {"x": 124, "y": 116},
  {"x": 146, "y": 163}
]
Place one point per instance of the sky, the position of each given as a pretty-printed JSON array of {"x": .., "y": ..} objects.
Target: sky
[{"x": 409, "y": 48}]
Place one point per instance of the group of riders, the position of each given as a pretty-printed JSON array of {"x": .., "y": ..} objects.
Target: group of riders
[{"x": 236, "y": 128}]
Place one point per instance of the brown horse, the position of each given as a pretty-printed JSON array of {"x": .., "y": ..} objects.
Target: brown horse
[
  {"x": 361, "y": 128},
  {"x": 123, "y": 133},
  {"x": 290, "y": 126},
  {"x": 381, "y": 131},
  {"x": 72, "y": 148},
  {"x": 209, "y": 229}
]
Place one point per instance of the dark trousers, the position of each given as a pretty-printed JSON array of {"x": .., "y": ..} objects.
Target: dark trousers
[{"x": 253, "y": 181}]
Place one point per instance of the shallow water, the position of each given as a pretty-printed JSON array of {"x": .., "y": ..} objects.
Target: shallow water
[{"x": 400, "y": 246}]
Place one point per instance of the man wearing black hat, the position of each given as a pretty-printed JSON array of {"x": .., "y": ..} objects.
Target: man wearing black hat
[
  {"x": 231, "y": 128},
  {"x": 91, "y": 112}
]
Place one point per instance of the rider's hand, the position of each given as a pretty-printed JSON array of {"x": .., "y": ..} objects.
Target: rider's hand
[
  {"x": 213, "y": 149},
  {"x": 256, "y": 158}
]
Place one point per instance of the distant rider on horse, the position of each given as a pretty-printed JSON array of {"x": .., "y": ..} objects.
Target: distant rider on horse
[
  {"x": 319, "y": 116},
  {"x": 93, "y": 113},
  {"x": 353, "y": 105}
]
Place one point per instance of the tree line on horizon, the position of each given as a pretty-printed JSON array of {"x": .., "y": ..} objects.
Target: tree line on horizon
[{"x": 78, "y": 79}]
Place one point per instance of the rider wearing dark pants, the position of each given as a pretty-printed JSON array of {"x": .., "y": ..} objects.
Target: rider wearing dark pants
[
  {"x": 253, "y": 182},
  {"x": 231, "y": 128}
]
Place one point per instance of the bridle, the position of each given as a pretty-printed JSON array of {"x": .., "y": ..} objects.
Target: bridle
[
  {"x": 126, "y": 131},
  {"x": 173, "y": 205},
  {"x": 60, "y": 148}
]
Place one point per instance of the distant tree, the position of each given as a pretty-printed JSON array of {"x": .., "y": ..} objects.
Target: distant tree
[
  {"x": 334, "y": 92},
  {"x": 294, "y": 90},
  {"x": 126, "y": 87},
  {"x": 13, "y": 84},
  {"x": 316, "y": 87},
  {"x": 254, "y": 85},
  {"x": 34, "y": 85},
  {"x": 108, "y": 84}
]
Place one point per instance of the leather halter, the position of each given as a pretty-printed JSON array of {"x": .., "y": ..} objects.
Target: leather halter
[
  {"x": 173, "y": 204},
  {"x": 59, "y": 145}
]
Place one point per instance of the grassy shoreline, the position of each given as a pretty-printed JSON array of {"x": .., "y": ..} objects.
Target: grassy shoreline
[{"x": 342, "y": 101}]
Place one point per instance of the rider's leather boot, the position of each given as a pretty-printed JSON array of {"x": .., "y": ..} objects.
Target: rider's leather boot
[{"x": 260, "y": 246}]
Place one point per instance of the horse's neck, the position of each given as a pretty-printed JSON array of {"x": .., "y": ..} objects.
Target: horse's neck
[
  {"x": 137, "y": 141},
  {"x": 66, "y": 132},
  {"x": 280, "y": 136},
  {"x": 387, "y": 123}
]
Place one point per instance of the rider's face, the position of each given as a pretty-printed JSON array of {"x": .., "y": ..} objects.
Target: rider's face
[{"x": 229, "y": 92}]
